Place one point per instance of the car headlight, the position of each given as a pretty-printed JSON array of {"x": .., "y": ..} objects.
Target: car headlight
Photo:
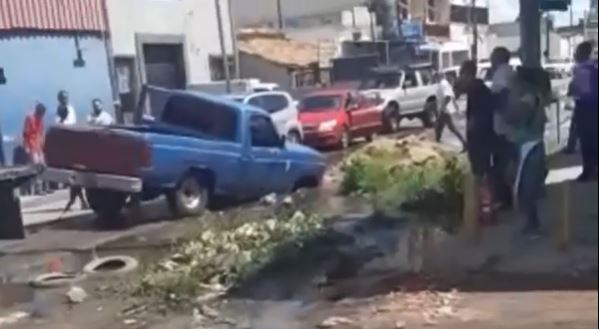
[{"x": 327, "y": 126}]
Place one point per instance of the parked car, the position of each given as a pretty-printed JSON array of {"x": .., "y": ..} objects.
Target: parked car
[
  {"x": 407, "y": 93},
  {"x": 333, "y": 118},
  {"x": 200, "y": 148},
  {"x": 241, "y": 86},
  {"x": 282, "y": 108}
]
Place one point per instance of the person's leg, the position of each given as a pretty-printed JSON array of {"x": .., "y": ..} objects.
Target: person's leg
[
  {"x": 440, "y": 126},
  {"x": 452, "y": 127},
  {"x": 503, "y": 155},
  {"x": 572, "y": 136},
  {"x": 588, "y": 141},
  {"x": 72, "y": 198},
  {"x": 82, "y": 199},
  {"x": 530, "y": 187}
]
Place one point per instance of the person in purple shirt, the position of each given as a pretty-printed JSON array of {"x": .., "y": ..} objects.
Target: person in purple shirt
[{"x": 584, "y": 91}]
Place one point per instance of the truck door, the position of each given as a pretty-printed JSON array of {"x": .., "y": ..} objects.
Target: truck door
[
  {"x": 267, "y": 165},
  {"x": 409, "y": 100}
]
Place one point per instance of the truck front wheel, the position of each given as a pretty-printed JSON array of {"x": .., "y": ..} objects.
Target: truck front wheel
[
  {"x": 107, "y": 205},
  {"x": 190, "y": 198}
]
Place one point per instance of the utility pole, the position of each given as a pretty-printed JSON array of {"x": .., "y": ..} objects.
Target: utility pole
[
  {"x": 280, "y": 15},
  {"x": 233, "y": 24},
  {"x": 530, "y": 33},
  {"x": 474, "y": 26},
  {"x": 223, "y": 48}
]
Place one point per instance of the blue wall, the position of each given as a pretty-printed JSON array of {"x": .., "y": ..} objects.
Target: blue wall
[{"x": 37, "y": 66}]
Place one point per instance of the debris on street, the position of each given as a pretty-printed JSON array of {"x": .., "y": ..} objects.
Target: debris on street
[
  {"x": 335, "y": 321},
  {"x": 76, "y": 295},
  {"x": 13, "y": 318},
  {"x": 217, "y": 258}
]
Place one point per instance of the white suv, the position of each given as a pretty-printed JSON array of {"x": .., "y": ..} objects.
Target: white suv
[
  {"x": 405, "y": 93},
  {"x": 282, "y": 109}
]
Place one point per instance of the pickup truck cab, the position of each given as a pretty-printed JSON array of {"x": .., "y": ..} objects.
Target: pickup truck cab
[
  {"x": 406, "y": 92},
  {"x": 333, "y": 118},
  {"x": 282, "y": 109},
  {"x": 200, "y": 147}
]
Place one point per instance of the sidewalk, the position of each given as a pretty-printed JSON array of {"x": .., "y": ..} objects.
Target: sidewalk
[
  {"x": 46, "y": 209},
  {"x": 567, "y": 247}
]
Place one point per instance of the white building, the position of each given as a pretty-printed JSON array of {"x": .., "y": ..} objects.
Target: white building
[{"x": 166, "y": 43}]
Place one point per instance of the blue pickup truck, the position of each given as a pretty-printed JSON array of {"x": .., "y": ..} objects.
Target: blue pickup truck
[{"x": 196, "y": 148}]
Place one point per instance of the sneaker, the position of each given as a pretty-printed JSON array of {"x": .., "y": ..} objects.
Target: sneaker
[{"x": 531, "y": 233}]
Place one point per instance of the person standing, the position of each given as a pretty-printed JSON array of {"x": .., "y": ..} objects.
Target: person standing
[
  {"x": 584, "y": 91},
  {"x": 33, "y": 143},
  {"x": 479, "y": 120},
  {"x": 98, "y": 116},
  {"x": 66, "y": 115},
  {"x": 504, "y": 152},
  {"x": 525, "y": 119},
  {"x": 446, "y": 107}
]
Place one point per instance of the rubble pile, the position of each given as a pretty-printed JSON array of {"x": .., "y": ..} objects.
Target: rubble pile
[{"x": 222, "y": 257}]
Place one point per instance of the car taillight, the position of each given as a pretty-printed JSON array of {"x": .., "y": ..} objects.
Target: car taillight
[{"x": 146, "y": 156}]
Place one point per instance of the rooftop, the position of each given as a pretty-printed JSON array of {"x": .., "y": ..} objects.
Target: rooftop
[
  {"x": 52, "y": 15},
  {"x": 277, "y": 48}
]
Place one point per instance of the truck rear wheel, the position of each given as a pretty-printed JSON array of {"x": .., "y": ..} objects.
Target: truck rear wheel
[
  {"x": 190, "y": 198},
  {"x": 107, "y": 205}
]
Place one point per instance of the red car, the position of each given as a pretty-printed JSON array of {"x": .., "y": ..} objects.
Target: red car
[{"x": 333, "y": 118}]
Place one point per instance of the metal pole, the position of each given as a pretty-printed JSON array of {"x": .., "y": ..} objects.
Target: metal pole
[
  {"x": 474, "y": 20},
  {"x": 223, "y": 49},
  {"x": 280, "y": 15},
  {"x": 233, "y": 25},
  {"x": 530, "y": 32},
  {"x": 548, "y": 38}
]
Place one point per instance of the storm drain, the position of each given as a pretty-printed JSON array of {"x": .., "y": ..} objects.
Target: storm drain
[
  {"x": 112, "y": 265},
  {"x": 54, "y": 280}
]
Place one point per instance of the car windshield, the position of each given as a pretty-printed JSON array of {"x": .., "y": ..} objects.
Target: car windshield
[
  {"x": 383, "y": 81},
  {"x": 320, "y": 103}
]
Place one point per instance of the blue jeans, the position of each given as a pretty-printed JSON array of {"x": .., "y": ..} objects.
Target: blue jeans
[{"x": 530, "y": 183}]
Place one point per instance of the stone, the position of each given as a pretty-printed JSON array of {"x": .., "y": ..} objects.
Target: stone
[{"x": 76, "y": 295}]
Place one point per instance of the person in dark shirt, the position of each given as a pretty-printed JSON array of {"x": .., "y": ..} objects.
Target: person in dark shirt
[{"x": 479, "y": 116}]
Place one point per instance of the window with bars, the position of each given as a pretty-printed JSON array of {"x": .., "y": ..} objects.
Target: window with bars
[
  {"x": 404, "y": 9},
  {"x": 431, "y": 11}
]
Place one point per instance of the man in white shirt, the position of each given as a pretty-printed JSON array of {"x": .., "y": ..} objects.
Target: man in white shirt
[
  {"x": 446, "y": 107},
  {"x": 505, "y": 153},
  {"x": 65, "y": 113},
  {"x": 99, "y": 117}
]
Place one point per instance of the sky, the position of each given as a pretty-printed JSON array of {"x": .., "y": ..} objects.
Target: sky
[{"x": 507, "y": 10}]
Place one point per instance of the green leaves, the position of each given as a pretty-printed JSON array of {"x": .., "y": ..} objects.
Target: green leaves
[{"x": 224, "y": 256}]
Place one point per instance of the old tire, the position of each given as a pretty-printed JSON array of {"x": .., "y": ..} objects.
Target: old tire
[
  {"x": 107, "y": 204},
  {"x": 428, "y": 116},
  {"x": 391, "y": 119},
  {"x": 190, "y": 198}
]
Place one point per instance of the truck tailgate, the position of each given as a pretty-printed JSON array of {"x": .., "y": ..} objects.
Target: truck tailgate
[{"x": 105, "y": 150}]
